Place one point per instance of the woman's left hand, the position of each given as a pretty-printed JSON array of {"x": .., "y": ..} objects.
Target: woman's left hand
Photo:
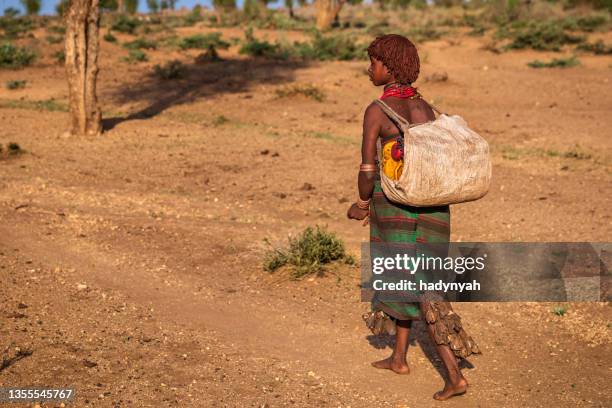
[{"x": 356, "y": 213}]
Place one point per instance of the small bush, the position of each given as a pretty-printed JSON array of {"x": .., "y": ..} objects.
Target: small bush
[
  {"x": 320, "y": 48},
  {"x": 57, "y": 29},
  {"x": 60, "y": 56},
  {"x": 125, "y": 24},
  {"x": 555, "y": 63},
  {"x": 308, "y": 253},
  {"x": 140, "y": 43},
  {"x": 307, "y": 90},
  {"x": 220, "y": 120},
  {"x": 14, "y": 148},
  {"x": 331, "y": 47},
  {"x": 136, "y": 56},
  {"x": 203, "y": 42},
  {"x": 54, "y": 39},
  {"x": 15, "y": 57},
  {"x": 174, "y": 69},
  {"x": 15, "y": 84},
  {"x": 597, "y": 48},
  {"x": 50, "y": 105},
  {"x": 257, "y": 48},
  {"x": 542, "y": 36},
  {"x": 109, "y": 37},
  {"x": 559, "y": 310}
]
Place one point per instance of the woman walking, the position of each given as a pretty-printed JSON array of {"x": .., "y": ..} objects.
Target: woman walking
[{"x": 395, "y": 66}]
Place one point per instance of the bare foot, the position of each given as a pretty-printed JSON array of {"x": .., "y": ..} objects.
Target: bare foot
[
  {"x": 451, "y": 390},
  {"x": 389, "y": 363}
]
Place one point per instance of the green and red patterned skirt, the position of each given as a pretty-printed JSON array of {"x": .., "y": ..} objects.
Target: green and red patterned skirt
[{"x": 405, "y": 228}]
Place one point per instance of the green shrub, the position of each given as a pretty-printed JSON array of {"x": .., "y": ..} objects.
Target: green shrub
[
  {"x": 125, "y": 24},
  {"x": 307, "y": 90},
  {"x": 555, "y": 63},
  {"x": 14, "y": 148},
  {"x": 258, "y": 48},
  {"x": 320, "y": 48},
  {"x": 57, "y": 29},
  {"x": 136, "y": 56},
  {"x": 54, "y": 39},
  {"x": 331, "y": 47},
  {"x": 203, "y": 42},
  {"x": 140, "y": 43},
  {"x": 174, "y": 69},
  {"x": 559, "y": 310},
  {"x": 15, "y": 57},
  {"x": 194, "y": 16},
  {"x": 50, "y": 105},
  {"x": 597, "y": 48},
  {"x": 109, "y": 37},
  {"x": 15, "y": 84},
  {"x": 60, "y": 56},
  {"x": 308, "y": 253},
  {"x": 543, "y": 36},
  {"x": 15, "y": 27},
  {"x": 11, "y": 12}
]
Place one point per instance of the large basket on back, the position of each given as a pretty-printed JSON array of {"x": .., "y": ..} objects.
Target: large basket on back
[{"x": 445, "y": 162}]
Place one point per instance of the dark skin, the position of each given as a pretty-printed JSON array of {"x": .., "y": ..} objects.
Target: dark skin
[{"x": 377, "y": 124}]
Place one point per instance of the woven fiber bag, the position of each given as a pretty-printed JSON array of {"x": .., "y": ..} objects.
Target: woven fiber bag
[{"x": 445, "y": 162}]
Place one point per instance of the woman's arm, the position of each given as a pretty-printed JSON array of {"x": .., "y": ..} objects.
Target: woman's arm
[
  {"x": 371, "y": 128},
  {"x": 365, "y": 179}
]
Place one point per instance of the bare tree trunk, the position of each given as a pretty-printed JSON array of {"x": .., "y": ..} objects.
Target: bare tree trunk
[
  {"x": 82, "y": 26},
  {"x": 327, "y": 11}
]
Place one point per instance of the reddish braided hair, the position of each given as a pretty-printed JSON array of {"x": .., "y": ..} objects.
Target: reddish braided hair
[{"x": 399, "y": 55}]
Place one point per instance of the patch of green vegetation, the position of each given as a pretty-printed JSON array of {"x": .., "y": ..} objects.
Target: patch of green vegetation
[
  {"x": 307, "y": 90},
  {"x": 125, "y": 24},
  {"x": 559, "y": 310},
  {"x": 203, "y": 42},
  {"x": 308, "y": 254},
  {"x": 220, "y": 120},
  {"x": 320, "y": 48},
  {"x": 514, "y": 153},
  {"x": 60, "y": 56},
  {"x": 588, "y": 23},
  {"x": 140, "y": 44},
  {"x": 109, "y": 37},
  {"x": 15, "y": 84},
  {"x": 541, "y": 36},
  {"x": 597, "y": 48},
  {"x": 15, "y": 27},
  {"x": 194, "y": 16},
  {"x": 136, "y": 56},
  {"x": 258, "y": 48},
  {"x": 555, "y": 63},
  {"x": 13, "y": 57},
  {"x": 14, "y": 148},
  {"x": 57, "y": 29},
  {"x": 174, "y": 69},
  {"x": 54, "y": 39},
  {"x": 50, "y": 105}
]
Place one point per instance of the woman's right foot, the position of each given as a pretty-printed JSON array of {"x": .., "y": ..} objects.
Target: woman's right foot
[
  {"x": 398, "y": 367},
  {"x": 451, "y": 390}
]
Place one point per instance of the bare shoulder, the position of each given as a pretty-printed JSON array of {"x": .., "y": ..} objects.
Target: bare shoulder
[
  {"x": 420, "y": 111},
  {"x": 373, "y": 112}
]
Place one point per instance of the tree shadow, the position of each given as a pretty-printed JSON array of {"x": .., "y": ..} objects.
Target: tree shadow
[
  {"x": 199, "y": 80},
  {"x": 418, "y": 335}
]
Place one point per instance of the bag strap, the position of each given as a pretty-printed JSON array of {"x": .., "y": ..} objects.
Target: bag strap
[
  {"x": 393, "y": 115},
  {"x": 399, "y": 120}
]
